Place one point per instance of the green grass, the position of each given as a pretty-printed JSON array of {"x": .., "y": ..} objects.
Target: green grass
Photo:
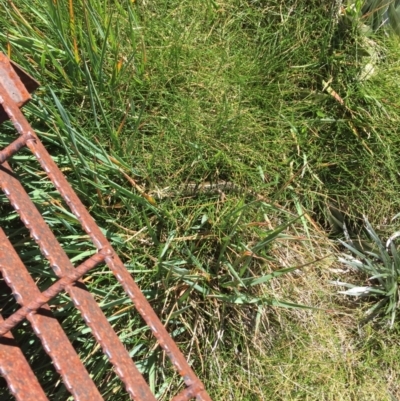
[{"x": 140, "y": 96}]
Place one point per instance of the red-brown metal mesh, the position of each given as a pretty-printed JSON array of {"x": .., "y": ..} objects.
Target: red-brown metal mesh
[{"x": 15, "y": 86}]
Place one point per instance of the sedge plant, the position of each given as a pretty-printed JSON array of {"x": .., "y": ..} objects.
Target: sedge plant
[{"x": 381, "y": 268}]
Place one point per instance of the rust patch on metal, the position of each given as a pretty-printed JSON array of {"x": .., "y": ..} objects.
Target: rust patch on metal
[
  {"x": 54, "y": 340},
  {"x": 15, "y": 369},
  {"x": 16, "y": 82},
  {"x": 14, "y": 93}
]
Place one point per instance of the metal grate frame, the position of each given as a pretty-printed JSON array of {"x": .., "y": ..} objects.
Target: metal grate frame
[{"x": 15, "y": 88}]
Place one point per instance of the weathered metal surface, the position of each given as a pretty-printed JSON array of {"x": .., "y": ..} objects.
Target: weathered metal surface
[
  {"x": 46, "y": 327},
  {"x": 47, "y": 295},
  {"x": 83, "y": 300},
  {"x": 15, "y": 369},
  {"x": 59, "y": 262},
  {"x": 191, "y": 392},
  {"x": 14, "y": 147},
  {"x": 17, "y": 82}
]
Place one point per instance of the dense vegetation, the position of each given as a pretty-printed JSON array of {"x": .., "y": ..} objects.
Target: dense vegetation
[{"x": 293, "y": 103}]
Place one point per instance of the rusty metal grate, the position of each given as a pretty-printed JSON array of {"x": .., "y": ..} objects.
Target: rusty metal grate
[{"x": 15, "y": 88}]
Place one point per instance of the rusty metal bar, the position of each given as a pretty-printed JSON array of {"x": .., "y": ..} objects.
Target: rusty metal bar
[
  {"x": 188, "y": 393},
  {"x": 46, "y": 327},
  {"x": 13, "y": 147},
  {"x": 51, "y": 249},
  {"x": 51, "y": 292},
  {"x": 12, "y": 363},
  {"x": 113, "y": 261},
  {"x": 13, "y": 85},
  {"x": 82, "y": 299}
]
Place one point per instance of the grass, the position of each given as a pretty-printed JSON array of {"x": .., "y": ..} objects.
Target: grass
[{"x": 140, "y": 96}]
